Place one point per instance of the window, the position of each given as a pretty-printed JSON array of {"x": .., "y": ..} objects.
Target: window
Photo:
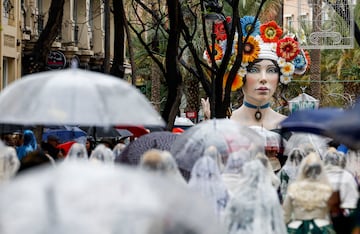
[{"x": 5, "y": 72}]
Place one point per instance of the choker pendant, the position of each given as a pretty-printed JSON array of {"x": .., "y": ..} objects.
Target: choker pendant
[{"x": 258, "y": 114}]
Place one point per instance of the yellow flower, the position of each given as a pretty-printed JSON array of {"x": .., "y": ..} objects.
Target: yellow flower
[{"x": 251, "y": 50}]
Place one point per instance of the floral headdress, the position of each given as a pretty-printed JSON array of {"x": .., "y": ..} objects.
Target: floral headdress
[{"x": 266, "y": 41}]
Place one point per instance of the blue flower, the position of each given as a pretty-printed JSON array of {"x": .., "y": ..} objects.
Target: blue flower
[
  {"x": 246, "y": 23},
  {"x": 299, "y": 61}
]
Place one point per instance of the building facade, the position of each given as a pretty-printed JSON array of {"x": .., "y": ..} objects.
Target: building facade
[
  {"x": 82, "y": 35},
  {"x": 10, "y": 42}
]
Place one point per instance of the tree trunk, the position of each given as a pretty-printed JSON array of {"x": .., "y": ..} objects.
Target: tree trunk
[
  {"x": 315, "y": 55},
  {"x": 117, "y": 68},
  {"x": 315, "y": 73},
  {"x": 173, "y": 76},
  {"x": 155, "y": 86},
  {"x": 35, "y": 61},
  {"x": 192, "y": 94}
]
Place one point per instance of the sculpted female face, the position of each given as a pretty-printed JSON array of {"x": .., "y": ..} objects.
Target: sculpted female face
[{"x": 262, "y": 79}]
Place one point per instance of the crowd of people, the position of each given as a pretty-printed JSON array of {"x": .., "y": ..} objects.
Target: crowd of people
[{"x": 296, "y": 185}]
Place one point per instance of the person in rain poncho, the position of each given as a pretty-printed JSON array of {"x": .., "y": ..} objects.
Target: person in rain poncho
[
  {"x": 206, "y": 179},
  {"x": 163, "y": 163},
  {"x": 275, "y": 181},
  {"x": 308, "y": 143},
  {"x": 102, "y": 154},
  {"x": 118, "y": 148},
  {"x": 341, "y": 179},
  {"x": 255, "y": 207},
  {"x": 289, "y": 171},
  {"x": 306, "y": 203},
  {"x": 9, "y": 162},
  {"x": 77, "y": 152},
  {"x": 232, "y": 174},
  {"x": 29, "y": 144},
  {"x": 344, "y": 182}
]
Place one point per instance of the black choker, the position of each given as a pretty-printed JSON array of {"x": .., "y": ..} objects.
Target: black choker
[{"x": 258, "y": 114}]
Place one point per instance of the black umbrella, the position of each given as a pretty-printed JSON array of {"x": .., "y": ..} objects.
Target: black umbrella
[
  {"x": 132, "y": 153},
  {"x": 345, "y": 128},
  {"x": 310, "y": 121},
  {"x": 99, "y": 133}
]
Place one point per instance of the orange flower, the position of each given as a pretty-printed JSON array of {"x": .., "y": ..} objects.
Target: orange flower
[
  {"x": 218, "y": 52},
  {"x": 287, "y": 48},
  {"x": 270, "y": 31},
  {"x": 251, "y": 50},
  {"x": 237, "y": 83},
  {"x": 307, "y": 57}
]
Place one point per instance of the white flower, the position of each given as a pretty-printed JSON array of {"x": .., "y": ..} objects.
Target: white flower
[
  {"x": 281, "y": 62},
  {"x": 285, "y": 79},
  {"x": 288, "y": 69},
  {"x": 242, "y": 71},
  {"x": 244, "y": 65}
]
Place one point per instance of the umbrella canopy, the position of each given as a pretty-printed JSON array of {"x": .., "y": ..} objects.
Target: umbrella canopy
[
  {"x": 136, "y": 131},
  {"x": 85, "y": 197},
  {"x": 225, "y": 134},
  {"x": 345, "y": 128},
  {"x": 103, "y": 132},
  {"x": 310, "y": 121},
  {"x": 132, "y": 153},
  {"x": 64, "y": 133},
  {"x": 75, "y": 97},
  {"x": 272, "y": 139}
]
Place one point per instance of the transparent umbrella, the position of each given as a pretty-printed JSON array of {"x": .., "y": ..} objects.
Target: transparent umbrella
[
  {"x": 86, "y": 198},
  {"x": 226, "y": 135},
  {"x": 75, "y": 97}
]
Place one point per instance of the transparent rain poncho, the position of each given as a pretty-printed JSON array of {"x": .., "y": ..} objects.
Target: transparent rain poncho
[
  {"x": 89, "y": 198},
  {"x": 232, "y": 174},
  {"x": 307, "y": 196},
  {"x": 9, "y": 162},
  {"x": 118, "y": 148},
  {"x": 77, "y": 152},
  {"x": 206, "y": 179},
  {"x": 226, "y": 135},
  {"x": 289, "y": 171},
  {"x": 102, "y": 154},
  {"x": 255, "y": 207},
  {"x": 308, "y": 143},
  {"x": 161, "y": 162},
  {"x": 341, "y": 179}
]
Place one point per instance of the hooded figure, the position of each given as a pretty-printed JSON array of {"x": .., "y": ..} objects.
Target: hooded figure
[
  {"x": 77, "y": 152},
  {"x": 232, "y": 174},
  {"x": 9, "y": 162},
  {"x": 28, "y": 146},
  {"x": 306, "y": 203},
  {"x": 255, "y": 207},
  {"x": 163, "y": 163},
  {"x": 102, "y": 154},
  {"x": 341, "y": 179},
  {"x": 289, "y": 171},
  {"x": 206, "y": 179}
]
